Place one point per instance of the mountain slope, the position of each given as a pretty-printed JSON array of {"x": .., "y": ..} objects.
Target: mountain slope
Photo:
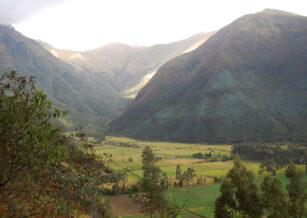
[
  {"x": 125, "y": 67},
  {"x": 66, "y": 86},
  {"x": 248, "y": 82}
]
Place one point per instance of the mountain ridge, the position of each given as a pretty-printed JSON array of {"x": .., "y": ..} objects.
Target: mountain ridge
[
  {"x": 124, "y": 66},
  {"x": 92, "y": 97},
  {"x": 64, "y": 85},
  {"x": 236, "y": 75}
]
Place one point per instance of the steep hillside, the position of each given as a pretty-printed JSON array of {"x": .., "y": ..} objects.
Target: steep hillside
[
  {"x": 248, "y": 82},
  {"x": 124, "y": 67},
  {"x": 66, "y": 86}
]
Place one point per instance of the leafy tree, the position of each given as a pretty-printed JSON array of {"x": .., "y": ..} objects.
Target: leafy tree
[
  {"x": 226, "y": 200},
  {"x": 164, "y": 180},
  {"x": 187, "y": 176},
  {"x": 153, "y": 199},
  {"x": 296, "y": 191},
  {"x": 198, "y": 155},
  {"x": 178, "y": 172},
  {"x": 239, "y": 193},
  {"x": 42, "y": 172},
  {"x": 269, "y": 165},
  {"x": 273, "y": 198},
  {"x": 190, "y": 173}
]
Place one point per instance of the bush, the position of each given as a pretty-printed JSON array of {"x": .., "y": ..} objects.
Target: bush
[{"x": 43, "y": 173}]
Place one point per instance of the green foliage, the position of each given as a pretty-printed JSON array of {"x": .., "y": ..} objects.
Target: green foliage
[
  {"x": 185, "y": 176},
  {"x": 43, "y": 172},
  {"x": 296, "y": 191},
  {"x": 164, "y": 180},
  {"x": 153, "y": 198},
  {"x": 201, "y": 198},
  {"x": 273, "y": 157},
  {"x": 273, "y": 199},
  {"x": 178, "y": 172},
  {"x": 212, "y": 158},
  {"x": 239, "y": 193}
]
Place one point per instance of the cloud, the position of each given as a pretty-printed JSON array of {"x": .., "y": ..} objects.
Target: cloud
[{"x": 14, "y": 11}]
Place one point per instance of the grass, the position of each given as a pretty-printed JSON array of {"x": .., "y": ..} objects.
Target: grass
[
  {"x": 170, "y": 153},
  {"x": 201, "y": 199}
]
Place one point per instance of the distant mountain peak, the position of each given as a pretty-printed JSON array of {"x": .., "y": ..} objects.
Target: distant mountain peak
[{"x": 278, "y": 12}]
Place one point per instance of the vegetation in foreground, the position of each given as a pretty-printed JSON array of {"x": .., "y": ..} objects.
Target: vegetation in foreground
[{"x": 43, "y": 172}]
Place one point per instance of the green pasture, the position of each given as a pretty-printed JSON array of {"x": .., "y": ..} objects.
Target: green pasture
[
  {"x": 126, "y": 155},
  {"x": 200, "y": 199}
]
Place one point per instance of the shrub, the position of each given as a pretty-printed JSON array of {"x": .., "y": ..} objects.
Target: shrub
[{"x": 43, "y": 172}]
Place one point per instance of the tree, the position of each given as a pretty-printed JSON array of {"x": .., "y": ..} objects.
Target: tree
[
  {"x": 42, "y": 172},
  {"x": 190, "y": 173},
  {"x": 273, "y": 198},
  {"x": 239, "y": 193},
  {"x": 187, "y": 176},
  {"x": 152, "y": 199},
  {"x": 164, "y": 181},
  {"x": 296, "y": 191},
  {"x": 268, "y": 165},
  {"x": 153, "y": 186},
  {"x": 178, "y": 172},
  {"x": 226, "y": 200}
]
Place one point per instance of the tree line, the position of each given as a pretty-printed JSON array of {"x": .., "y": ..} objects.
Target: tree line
[
  {"x": 241, "y": 197},
  {"x": 272, "y": 157}
]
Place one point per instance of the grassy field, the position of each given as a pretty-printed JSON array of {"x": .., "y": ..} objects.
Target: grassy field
[
  {"x": 201, "y": 199},
  {"x": 126, "y": 155}
]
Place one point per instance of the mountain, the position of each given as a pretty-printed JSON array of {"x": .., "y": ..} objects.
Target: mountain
[
  {"x": 91, "y": 85},
  {"x": 126, "y": 68},
  {"x": 71, "y": 89},
  {"x": 248, "y": 82}
]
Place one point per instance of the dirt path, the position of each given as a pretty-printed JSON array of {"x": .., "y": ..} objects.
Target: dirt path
[{"x": 123, "y": 206}]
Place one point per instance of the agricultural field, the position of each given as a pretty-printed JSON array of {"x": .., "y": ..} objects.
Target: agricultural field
[
  {"x": 126, "y": 156},
  {"x": 199, "y": 199}
]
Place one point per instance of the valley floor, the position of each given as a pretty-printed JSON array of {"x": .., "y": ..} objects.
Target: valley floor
[
  {"x": 199, "y": 199},
  {"x": 126, "y": 156}
]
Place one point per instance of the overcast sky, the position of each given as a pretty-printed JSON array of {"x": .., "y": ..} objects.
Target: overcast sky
[{"x": 87, "y": 24}]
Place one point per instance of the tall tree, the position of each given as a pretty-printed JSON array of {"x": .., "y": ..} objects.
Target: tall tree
[
  {"x": 239, "y": 193},
  {"x": 226, "y": 203},
  {"x": 178, "y": 172},
  {"x": 153, "y": 199},
  {"x": 296, "y": 191},
  {"x": 273, "y": 198}
]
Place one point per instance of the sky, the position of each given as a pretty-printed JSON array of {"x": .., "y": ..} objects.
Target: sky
[{"x": 87, "y": 24}]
